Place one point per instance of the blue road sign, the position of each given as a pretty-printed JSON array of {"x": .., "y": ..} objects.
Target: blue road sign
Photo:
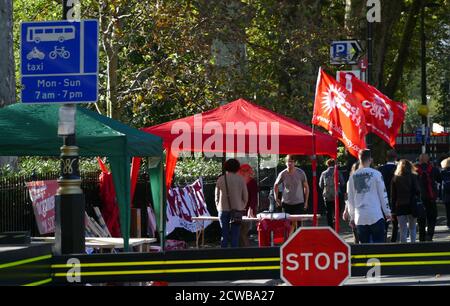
[
  {"x": 419, "y": 136},
  {"x": 59, "y": 61},
  {"x": 345, "y": 52}
]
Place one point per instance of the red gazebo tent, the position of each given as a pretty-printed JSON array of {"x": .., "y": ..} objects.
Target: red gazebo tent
[{"x": 241, "y": 127}]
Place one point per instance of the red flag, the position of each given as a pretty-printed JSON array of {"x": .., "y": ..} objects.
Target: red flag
[
  {"x": 336, "y": 110},
  {"x": 383, "y": 115}
]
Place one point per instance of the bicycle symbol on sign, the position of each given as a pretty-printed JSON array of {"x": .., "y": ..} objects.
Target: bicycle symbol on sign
[{"x": 61, "y": 52}]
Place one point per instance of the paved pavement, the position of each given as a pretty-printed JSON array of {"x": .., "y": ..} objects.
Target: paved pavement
[{"x": 424, "y": 280}]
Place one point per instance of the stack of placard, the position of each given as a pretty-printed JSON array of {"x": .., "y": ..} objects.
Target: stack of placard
[{"x": 94, "y": 229}]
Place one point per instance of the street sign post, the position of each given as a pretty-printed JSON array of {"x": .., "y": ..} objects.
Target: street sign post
[
  {"x": 363, "y": 64},
  {"x": 345, "y": 52},
  {"x": 356, "y": 73},
  {"x": 315, "y": 257},
  {"x": 59, "y": 61}
]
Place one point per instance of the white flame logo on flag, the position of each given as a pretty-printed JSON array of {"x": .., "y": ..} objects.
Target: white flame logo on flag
[{"x": 335, "y": 97}]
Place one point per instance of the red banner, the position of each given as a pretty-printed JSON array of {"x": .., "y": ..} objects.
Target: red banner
[
  {"x": 42, "y": 194},
  {"x": 337, "y": 110},
  {"x": 383, "y": 115}
]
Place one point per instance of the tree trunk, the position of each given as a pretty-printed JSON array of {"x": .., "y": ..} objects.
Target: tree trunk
[
  {"x": 111, "y": 50},
  {"x": 7, "y": 71},
  {"x": 288, "y": 17},
  {"x": 111, "y": 87},
  {"x": 390, "y": 14},
  {"x": 355, "y": 13},
  {"x": 403, "y": 50}
]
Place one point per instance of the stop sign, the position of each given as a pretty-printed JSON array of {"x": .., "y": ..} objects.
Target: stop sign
[{"x": 315, "y": 257}]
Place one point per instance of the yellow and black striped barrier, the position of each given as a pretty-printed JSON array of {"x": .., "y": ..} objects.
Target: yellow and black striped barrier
[
  {"x": 28, "y": 265},
  {"x": 401, "y": 259},
  {"x": 37, "y": 266},
  {"x": 172, "y": 266},
  {"x": 248, "y": 263}
]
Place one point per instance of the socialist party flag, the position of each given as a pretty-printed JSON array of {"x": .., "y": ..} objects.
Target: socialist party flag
[
  {"x": 383, "y": 115},
  {"x": 336, "y": 110}
]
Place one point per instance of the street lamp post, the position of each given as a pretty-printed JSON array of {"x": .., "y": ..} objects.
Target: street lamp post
[
  {"x": 369, "y": 137},
  {"x": 69, "y": 200},
  {"x": 423, "y": 86}
]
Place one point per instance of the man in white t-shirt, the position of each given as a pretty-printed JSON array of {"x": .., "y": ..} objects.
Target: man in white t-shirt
[{"x": 368, "y": 202}]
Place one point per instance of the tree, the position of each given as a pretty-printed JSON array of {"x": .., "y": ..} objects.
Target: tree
[
  {"x": 159, "y": 61},
  {"x": 7, "y": 79}
]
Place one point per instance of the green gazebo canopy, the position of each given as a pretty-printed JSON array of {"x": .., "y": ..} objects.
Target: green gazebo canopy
[{"x": 31, "y": 130}]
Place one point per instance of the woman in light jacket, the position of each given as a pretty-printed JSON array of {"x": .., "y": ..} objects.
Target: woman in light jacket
[
  {"x": 405, "y": 191},
  {"x": 238, "y": 197}
]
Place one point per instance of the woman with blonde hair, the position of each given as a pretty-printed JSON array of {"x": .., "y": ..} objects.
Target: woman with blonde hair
[{"x": 405, "y": 191}]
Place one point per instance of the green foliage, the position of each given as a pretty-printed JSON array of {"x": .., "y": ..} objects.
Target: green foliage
[
  {"x": 41, "y": 165},
  {"x": 167, "y": 68},
  {"x": 437, "y": 33},
  {"x": 36, "y": 10},
  {"x": 189, "y": 169},
  {"x": 168, "y": 65}
]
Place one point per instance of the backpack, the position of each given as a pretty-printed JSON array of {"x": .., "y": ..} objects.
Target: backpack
[
  {"x": 328, "y": 187},
  {"x": 426, "y": 182}
]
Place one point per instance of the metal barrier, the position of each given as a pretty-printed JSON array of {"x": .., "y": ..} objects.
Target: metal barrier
[
  {"x": 424, "y": 258},
  {"x": 172, "y": 266},
  {"x": 247, "y": 263},
  {"x": 208, "y": 264},
  {"x": 25, "y": 265}
]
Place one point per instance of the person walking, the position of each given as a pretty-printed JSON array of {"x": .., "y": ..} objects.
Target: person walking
[
  {"x": 295, "y": 194},
  {"x": 429, "y": 176},
  {"x": 405, "y": 191},
  {"x": 445, "y": 175},
  {"x": 345, "y": 214},
  {"x": 247, "y": 173},
  {"x": 368, "y": 204},
  {"x": 326, "y": 183},
  {"x": 230, "y": 194},
  {"x": 387, "y": 171}
]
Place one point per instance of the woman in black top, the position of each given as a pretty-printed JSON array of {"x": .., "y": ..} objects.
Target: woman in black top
[{"x": 404, "y": 194}]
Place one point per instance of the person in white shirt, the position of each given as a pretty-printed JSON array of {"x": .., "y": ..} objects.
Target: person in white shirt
[{"x": 368, "y": 204}]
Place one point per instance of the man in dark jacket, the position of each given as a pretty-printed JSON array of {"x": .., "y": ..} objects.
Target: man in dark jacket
[
  {"x": 429, "y": 176},
  {"x": 387, "y": 170},
  {"x": 326, "y": 183}
]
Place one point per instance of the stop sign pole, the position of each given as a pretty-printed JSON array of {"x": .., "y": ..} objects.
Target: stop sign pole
[{"x": 315, "y": 256}]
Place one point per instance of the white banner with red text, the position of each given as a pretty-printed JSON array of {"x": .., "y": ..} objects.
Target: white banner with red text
[{"x": 183, "y": 203}]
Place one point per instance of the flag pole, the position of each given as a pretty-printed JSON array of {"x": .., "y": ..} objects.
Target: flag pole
[
  {"x": 314, "y": 177},
  {"x": 314, "y": 162},
  {"x": 337, "y": 210}
]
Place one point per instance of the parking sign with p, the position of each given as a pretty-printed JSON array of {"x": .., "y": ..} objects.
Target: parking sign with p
[{"x": 345, "y": 52}]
